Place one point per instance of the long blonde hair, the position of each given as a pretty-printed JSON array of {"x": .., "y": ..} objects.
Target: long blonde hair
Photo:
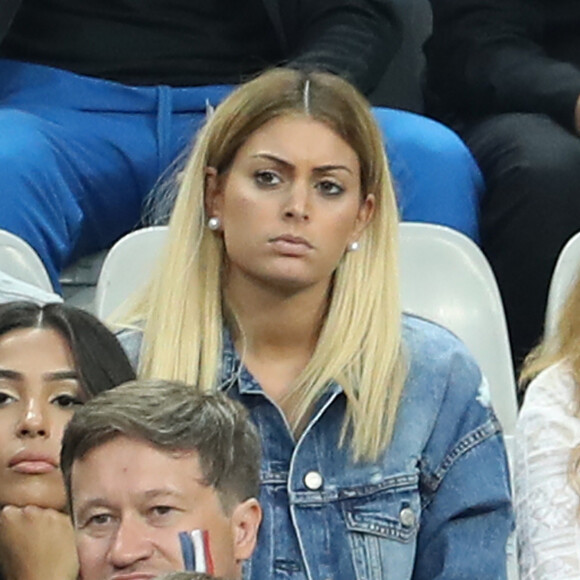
[
  {"x": 360, "y": 342},
  {"x": 563, "y": 345}
]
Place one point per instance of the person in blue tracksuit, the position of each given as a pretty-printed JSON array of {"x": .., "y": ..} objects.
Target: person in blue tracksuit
[{"x": 98, "y": 101}]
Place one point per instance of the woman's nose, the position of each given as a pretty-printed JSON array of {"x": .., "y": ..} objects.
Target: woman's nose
[
  {"x": 34, "y": 421},
  {"x": 298, "y": 203}
]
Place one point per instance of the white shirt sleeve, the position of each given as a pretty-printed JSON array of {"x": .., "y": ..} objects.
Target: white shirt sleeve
[{"x": 547, "y": 506}]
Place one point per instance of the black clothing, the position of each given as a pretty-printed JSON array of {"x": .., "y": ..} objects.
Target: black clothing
[
  {"x": 531, "y": 208},
  {"x": 506, "y": 75},
  {"x": 8, "y": 9},
  {"x": 206, "y": 42},
  {"x": 500, "y": 56},
  {"x": 186, "y": 43}
]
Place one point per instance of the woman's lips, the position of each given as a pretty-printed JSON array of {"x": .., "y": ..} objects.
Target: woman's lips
[
  {"x": 33, "y": 467},
  {"x": 288, "y": 245},
  {"x": 32, "y": 463}
]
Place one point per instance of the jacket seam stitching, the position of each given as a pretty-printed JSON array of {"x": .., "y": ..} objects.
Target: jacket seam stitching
[{"x": 488, "y": 429}]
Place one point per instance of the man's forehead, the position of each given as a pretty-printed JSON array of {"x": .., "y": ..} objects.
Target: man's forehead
[
  {"x": 133, "y": 461},
  {"x": 124, "y": 445}
]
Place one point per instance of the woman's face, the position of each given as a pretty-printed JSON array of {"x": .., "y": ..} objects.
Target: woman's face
[
  {"x": 39, "y": 390},
  {"x": 290, "y": 204}
]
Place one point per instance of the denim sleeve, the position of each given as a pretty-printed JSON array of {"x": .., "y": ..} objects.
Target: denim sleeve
[
  {"x": 466, "y": 501},
  {"x": 132, "y": 341}
]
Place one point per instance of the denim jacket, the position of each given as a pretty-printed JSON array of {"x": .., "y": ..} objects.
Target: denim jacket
[{"x": 436, "y": 504}]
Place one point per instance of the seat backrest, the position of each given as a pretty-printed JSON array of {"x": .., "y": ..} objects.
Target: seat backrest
[
  {"x": 19, "y": 260},
  {"x": 563, "y": 278},
  {"x": 446, "y": 278},
  {"x": 127, "y": 267}
]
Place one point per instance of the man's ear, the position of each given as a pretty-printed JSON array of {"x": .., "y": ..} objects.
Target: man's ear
[
  {"x": 246, "y": 519},
  {"x": 213, "y": 196}
]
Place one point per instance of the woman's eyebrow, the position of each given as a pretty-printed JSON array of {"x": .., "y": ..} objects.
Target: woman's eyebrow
[
  {"x": 326, "y": 168},
  {"x": 52, "y": 376},
  {"x": 320, "y": 169},
  {"x": 273, "y": 158},
  {"x": 61, "y": 375}
]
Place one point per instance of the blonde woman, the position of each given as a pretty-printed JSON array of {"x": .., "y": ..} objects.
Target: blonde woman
[
  {"x": 381, "y": 455},
  {"x": 547, "y": 476}
]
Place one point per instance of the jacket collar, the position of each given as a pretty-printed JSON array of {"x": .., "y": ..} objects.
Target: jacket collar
[{"x": 234, "y": 374}]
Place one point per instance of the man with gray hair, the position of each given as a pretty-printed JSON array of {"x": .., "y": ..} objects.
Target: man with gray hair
[{"x": 149, "y": 460}]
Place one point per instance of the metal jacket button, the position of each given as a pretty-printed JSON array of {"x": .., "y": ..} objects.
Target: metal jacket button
[
  {"x": 313, "y": 480},
  {"x": 407, "y": 517}
]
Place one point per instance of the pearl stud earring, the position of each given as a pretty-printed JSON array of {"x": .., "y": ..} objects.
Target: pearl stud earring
[
  {"x": 214, "y": 223},
  {"x": 353, "y": 246}
]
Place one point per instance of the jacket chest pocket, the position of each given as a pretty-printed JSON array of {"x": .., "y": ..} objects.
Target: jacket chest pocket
[{"x": 382, "y": 527}]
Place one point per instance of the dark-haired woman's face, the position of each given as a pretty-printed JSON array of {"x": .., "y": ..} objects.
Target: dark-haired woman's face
[{"x": 39, "y": 391}]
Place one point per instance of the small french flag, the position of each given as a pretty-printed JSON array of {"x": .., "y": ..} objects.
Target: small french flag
[{"x": 195, "y": 550}]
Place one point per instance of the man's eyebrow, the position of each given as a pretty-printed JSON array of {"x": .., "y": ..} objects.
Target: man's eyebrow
[
  {"x": 96, "y": 502},
  {"x": 102, "y": 502},
  {"x": 163, "y": 492},
  {"x": 321, "y": 169}
]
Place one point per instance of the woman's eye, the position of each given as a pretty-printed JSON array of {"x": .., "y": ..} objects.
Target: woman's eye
[
  {"x": 5, "y": 399},
  {"x": 267, "y": 178},
  {"x": 67, "y": 401},
  {"x": 330, "y": 188}
]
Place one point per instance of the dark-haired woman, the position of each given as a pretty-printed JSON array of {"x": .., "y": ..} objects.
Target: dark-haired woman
[{"x": 52, "y": 358}]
